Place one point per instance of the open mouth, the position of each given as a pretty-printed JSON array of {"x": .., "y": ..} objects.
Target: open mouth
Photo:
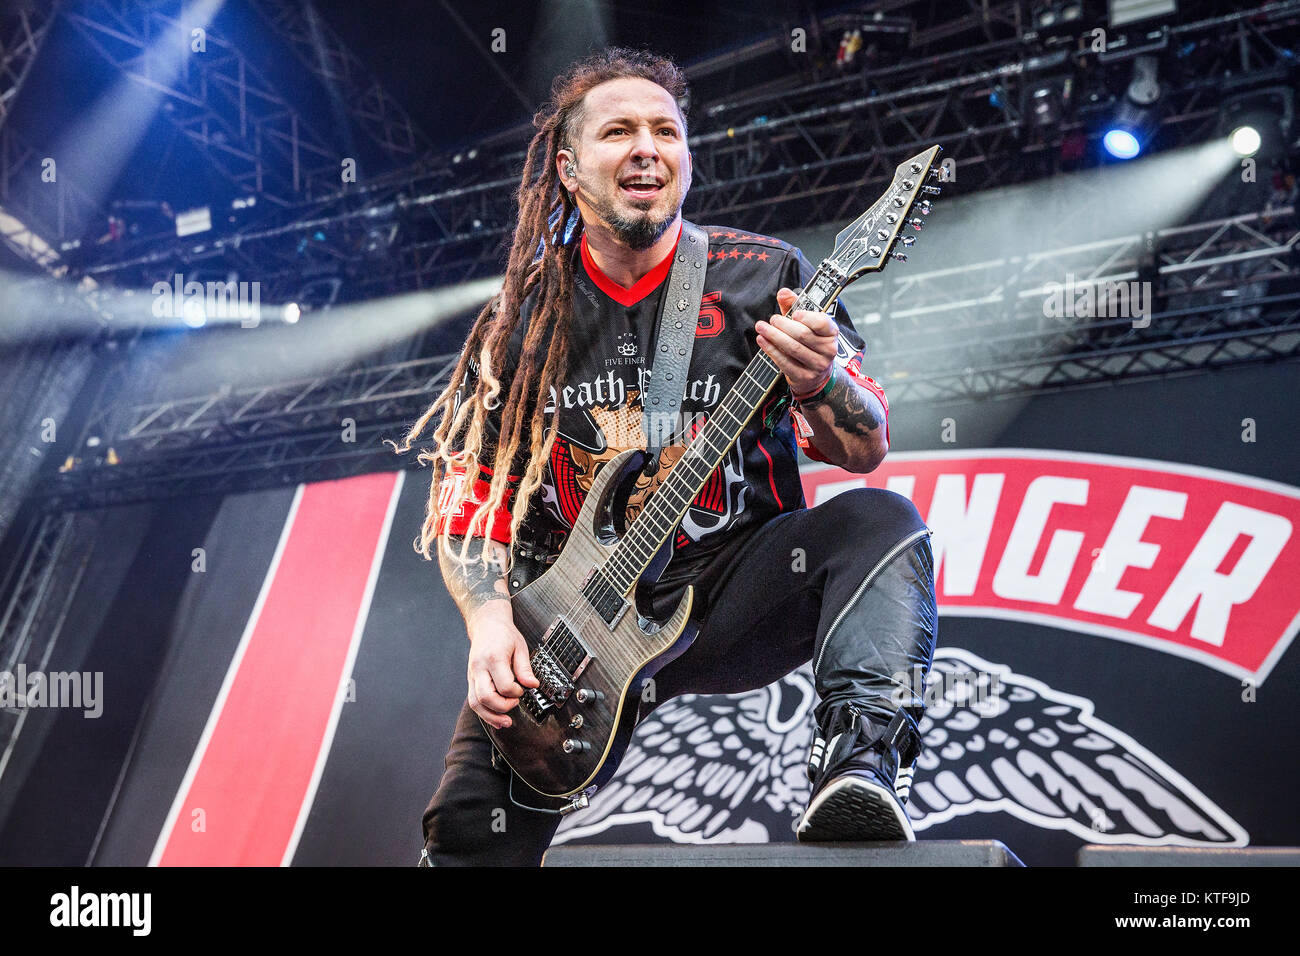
[{"x": 642, "y": 187}]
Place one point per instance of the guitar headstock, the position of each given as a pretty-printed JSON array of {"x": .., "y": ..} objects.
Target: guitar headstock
[{"x": 866, "y": 244}]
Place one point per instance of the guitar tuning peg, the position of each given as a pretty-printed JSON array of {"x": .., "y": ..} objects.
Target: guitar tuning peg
[
  {"x": 935, "y": 173},
  {"x": 931, "y": 190},
  {"x": 925, "y": 207},
  {"x": 906, "y": 240},
  {"x": 900, "y": 256},
  {"x": 916, "y": 224}
]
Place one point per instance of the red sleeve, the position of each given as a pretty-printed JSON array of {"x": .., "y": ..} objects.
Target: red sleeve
[
  {"x": 803, "y": 431},
  {"x": 457, "y": 522}
]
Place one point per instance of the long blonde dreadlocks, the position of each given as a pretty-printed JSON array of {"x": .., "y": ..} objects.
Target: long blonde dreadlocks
[{"x": 545, "y": 210}]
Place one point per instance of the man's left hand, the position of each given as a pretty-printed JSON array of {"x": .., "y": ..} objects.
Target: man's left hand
[{"x": 802, "y": 343}]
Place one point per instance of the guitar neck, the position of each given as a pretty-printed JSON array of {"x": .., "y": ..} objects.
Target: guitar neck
[{"x": 667, "y": 507}]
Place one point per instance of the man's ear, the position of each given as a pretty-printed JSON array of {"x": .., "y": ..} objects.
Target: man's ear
[{"x": 563, "y": 159}]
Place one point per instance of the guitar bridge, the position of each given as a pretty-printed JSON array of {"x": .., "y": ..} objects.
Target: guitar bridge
[
  {"x": 557, "y": 663},
  {"x": 556, "y": 682}
]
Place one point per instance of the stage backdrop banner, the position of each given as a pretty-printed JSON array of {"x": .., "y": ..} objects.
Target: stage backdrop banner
[{"x": 1118, "y": 578}]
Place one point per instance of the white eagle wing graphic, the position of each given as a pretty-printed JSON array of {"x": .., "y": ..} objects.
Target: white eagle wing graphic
[
  {"x": 731, "y": 769},
  {"x": 711, "y": 768},
  {"x": 1043, "y": 757}
]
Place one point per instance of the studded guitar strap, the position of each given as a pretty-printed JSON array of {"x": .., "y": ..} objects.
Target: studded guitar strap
[{"x": 675, "y": 339}]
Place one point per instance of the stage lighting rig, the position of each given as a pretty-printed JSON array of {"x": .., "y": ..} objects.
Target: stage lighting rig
[
  {"x": 191, "y": 222},
  {"x": 379, "y": 236},
  {"x": 1124, "y": 12},
  {"x": 1136, "y": 115},
  {"x": 1058, "y": 17},
  {"x": 1260, "y": 122}
]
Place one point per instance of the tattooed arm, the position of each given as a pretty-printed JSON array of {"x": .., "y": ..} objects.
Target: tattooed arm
[
  {"x": 479, "y": 582},
  {"x": 848, "y": 421},
  {"x": 848, "y": 426},
  {"x": 499, "y": 667}
]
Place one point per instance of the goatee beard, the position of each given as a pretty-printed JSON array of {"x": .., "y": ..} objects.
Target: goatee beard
[{"x": 639, "y": 233}]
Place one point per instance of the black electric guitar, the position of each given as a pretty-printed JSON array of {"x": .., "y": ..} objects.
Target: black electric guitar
[{"x": 586, "y": 619}]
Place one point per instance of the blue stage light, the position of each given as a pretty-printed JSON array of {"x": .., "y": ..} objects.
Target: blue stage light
[{"x": 1121, "y": 143}]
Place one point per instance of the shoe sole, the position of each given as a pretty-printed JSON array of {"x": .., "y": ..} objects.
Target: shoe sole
[{"x": 854, "y": 810}]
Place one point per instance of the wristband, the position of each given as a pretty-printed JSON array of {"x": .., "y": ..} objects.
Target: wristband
[{"x": 816, "y": 396}]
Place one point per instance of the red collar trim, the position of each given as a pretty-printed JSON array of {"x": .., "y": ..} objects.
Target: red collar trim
[{"x": 644, "y": 286}]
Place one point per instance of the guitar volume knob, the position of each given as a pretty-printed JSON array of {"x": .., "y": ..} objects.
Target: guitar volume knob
[{"x": 586, "y": 695}]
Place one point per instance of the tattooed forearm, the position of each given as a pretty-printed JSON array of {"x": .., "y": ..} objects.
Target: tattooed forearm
[
  {"x": 854, "y": 409},
  {"x": 478, "y": 581},
  {"x": 846, "y": 426}
]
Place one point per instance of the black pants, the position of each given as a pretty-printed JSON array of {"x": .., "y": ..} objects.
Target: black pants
[{"x": 857, "y": 567}]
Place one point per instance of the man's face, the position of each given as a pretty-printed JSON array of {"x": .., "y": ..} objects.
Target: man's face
[{"x": 633, "y": 168}]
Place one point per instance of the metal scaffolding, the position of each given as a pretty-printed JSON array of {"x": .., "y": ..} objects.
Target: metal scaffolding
[
  {"x": 798, "y": 147},
  {"x": 351, "y": 84},
  {"x": 247, "y": 130},
  {"x": 792, "y": 153},
  {"x": 34, "y": 213},
  {"x": 999, "y": 336}
]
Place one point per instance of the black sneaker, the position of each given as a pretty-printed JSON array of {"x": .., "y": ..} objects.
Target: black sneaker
[{"x": 855, "y": 775}]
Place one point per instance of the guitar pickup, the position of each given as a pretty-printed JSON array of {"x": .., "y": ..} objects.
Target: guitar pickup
[{"x": 602, "y": 597}]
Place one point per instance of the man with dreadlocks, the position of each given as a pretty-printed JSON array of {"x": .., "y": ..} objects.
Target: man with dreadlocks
[{"x": 557, "y": 363}]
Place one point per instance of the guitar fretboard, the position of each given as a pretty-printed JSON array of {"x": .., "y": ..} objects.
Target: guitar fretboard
[{"x": 660, "y": 518}]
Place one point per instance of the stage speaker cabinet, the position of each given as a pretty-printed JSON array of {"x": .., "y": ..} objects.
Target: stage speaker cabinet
[
  {"x": 967, "y": 853},
  {"x": 1096, "y": 855}
]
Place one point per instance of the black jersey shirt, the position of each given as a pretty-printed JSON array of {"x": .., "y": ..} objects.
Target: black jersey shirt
[{"x": 600, "y": 409}]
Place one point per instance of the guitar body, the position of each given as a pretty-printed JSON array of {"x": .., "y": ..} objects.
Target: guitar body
[{"x": 617, "y": 658}]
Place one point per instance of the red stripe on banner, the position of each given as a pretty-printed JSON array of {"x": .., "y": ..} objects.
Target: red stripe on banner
[{"x": 247, "y": 788}]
